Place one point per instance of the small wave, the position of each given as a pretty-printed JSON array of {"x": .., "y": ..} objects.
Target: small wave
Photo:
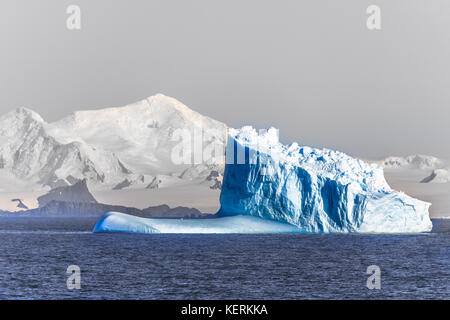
[{"x": 42, "y": 232}]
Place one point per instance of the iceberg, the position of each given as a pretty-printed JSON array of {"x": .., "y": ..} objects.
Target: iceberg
[
  {"x": 316, "y": 190},
  {"x": 120, "y": 222},
  {"x": 272, "y": 188}
]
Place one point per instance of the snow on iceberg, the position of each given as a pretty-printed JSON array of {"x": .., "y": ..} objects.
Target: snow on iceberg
[
  {"x": 316, "y": 190},
  {"x": 120, "y": 222}
]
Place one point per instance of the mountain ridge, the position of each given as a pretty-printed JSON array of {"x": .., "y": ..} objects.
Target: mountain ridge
[{"x": 105, "y": 146}]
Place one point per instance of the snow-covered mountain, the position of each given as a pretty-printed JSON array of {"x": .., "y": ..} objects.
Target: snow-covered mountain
[
  {"x": 430, "y": 169},
  {"x": 424, "y": 177},
  {"x": 420, "y": 162},
  {"x": 30, "y": 153},
  {"x": 112, "y": 147},
  {"x": 125, "y": 153},
  {"x": 140, "y": 134}
]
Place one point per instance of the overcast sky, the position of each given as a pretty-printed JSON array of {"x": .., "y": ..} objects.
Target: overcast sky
[{"x": 310, "y": 68}]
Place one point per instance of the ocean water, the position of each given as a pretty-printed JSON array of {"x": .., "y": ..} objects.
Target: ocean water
[{"x": 35, "y": 254}]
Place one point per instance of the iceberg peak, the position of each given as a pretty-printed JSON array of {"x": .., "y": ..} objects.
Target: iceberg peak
[{"x": 331, "y": 164}]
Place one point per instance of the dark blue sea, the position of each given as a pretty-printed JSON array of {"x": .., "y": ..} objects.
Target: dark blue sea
[{"x": 35, "y": 254}]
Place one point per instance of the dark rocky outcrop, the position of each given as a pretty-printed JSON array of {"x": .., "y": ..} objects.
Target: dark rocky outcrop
[
  {"x": 77, "y": 201},
  {"x": 56, "y": 208},
  {"x": 429, "y": 178},
  {"x": 125, "y": 183},
  {"x": 20, "y": 203},
  {"x": 78, "y": 193}
]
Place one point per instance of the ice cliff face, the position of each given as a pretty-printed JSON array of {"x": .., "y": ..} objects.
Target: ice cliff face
[{"x": 317, "y": 190}]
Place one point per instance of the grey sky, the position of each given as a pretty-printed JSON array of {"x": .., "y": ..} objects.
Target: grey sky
[{"x": 310, "y": 68}]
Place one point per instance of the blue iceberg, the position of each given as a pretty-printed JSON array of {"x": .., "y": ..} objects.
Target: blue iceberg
[
  {"x": 120, "y": 222},
  {"x": 272, "y": 188},
  {"x": 316, "y": 190}
]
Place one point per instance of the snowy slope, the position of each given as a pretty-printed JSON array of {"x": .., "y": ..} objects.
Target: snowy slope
[
  {"x": 112, "y": 147},
  {"x": 140, "y": 134},
  {"x": 31, "y": 154}
]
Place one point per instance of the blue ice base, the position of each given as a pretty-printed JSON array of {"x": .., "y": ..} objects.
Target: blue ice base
[{"x": 120, "y": 222}]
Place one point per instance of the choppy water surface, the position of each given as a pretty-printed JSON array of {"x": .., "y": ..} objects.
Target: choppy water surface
[{"x": 35, "y": 253}]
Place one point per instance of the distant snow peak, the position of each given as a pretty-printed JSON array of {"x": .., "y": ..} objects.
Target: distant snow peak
[
  {"x": 422, "y": 162},
  {"x": 23, "y": 114},
  {"x": 440, "y": 173}
]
